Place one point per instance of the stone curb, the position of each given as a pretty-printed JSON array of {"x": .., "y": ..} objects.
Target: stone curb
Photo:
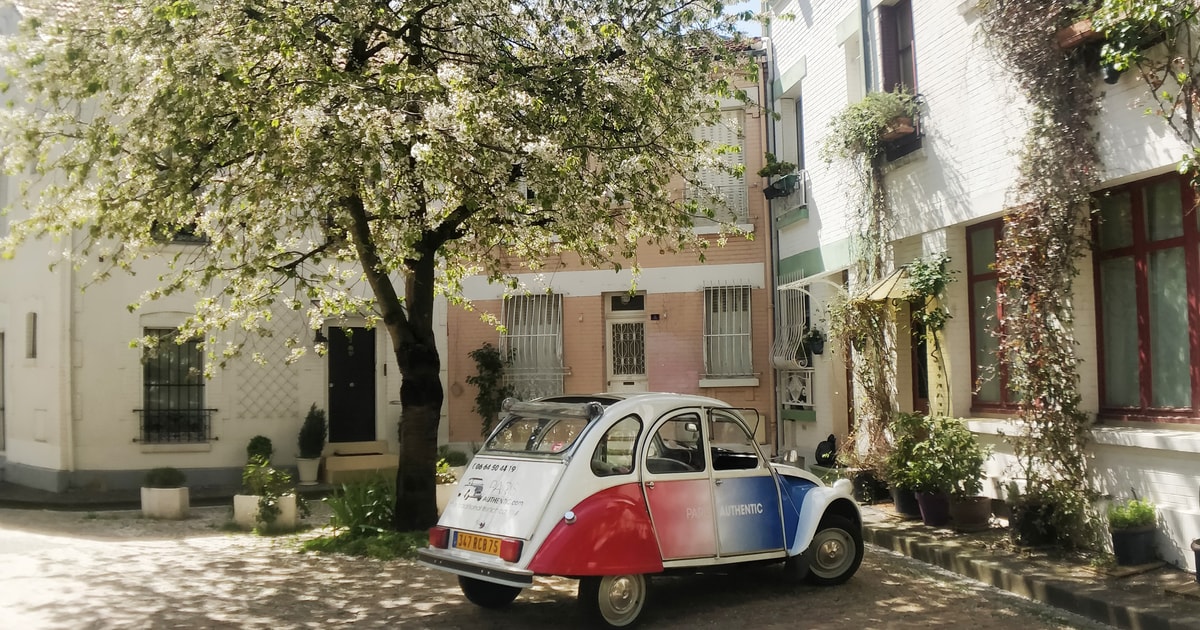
[{"x": 1096, "y": 601}]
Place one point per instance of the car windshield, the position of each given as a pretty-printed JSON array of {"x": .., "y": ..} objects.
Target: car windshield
[{"x": 534, "y": 435}]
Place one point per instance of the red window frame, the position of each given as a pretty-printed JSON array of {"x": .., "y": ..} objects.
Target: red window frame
[
  {"x": 1140, "y": 250},
  {"x": 996, "y": 226}
]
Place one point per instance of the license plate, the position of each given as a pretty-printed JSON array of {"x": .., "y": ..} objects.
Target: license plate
[{"x": 477, "y": 543}]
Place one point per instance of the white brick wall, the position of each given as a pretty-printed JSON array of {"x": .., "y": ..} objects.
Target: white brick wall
[{"x": 973, "y": 121}]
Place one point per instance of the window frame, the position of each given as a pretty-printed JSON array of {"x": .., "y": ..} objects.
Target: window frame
[
  {"x": 974, "y": 276},
  {"x": 713, "y": 297},
  {"x": 1140, "y": 249},
  {"x": 198, "y": 427},
  {"x": 893, "y": 50}
]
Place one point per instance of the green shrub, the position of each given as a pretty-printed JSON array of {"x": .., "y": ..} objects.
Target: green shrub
[
  {"x": 935, "y": 454},
  {"x": 312, "y": 433},
  {"x": 1130, "y": 514},
  {"x": 363, "y": 508},
  {"x": 165, "y": 477},
  {"x": 259, "y": 446},
  {"x": 443, "y": 473}
]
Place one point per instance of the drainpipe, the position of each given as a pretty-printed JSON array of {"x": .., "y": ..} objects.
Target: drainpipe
[{"x": 767, "y": 69}]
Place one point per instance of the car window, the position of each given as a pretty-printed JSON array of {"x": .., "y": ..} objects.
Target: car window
[
  {"x": 536, "y": 435},
  {"x": 676, "y": 446},
  {"x": 732, "y": 445},
  {"x": 614, "y": 453}
]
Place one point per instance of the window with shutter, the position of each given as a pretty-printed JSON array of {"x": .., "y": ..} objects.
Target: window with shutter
[{"x": 719, "y": 189}]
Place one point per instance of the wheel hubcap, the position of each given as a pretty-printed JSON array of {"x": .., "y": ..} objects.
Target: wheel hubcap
[
  {"x": 621, "y": 595},
  {"x": 832, "y": 553}
]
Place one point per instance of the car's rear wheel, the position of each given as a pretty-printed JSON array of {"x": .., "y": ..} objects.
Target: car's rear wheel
[
  {"x": 836, "y": 551},
  {"x": 613, "y": 600},
  {"x": 487, "y": 594}
]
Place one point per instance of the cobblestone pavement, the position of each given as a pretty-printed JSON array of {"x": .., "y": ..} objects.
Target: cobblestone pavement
[{"x": 116, "y": 570}]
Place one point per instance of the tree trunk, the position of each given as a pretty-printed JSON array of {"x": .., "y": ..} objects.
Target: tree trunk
[
  {"x": 421, "y": 398},
  {"x": 409, "y": 323}
]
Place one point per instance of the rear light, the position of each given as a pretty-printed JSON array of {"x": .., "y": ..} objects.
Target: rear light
[
  {"x": 439, "y": 537},
  {"x": 510, "y": 550}
]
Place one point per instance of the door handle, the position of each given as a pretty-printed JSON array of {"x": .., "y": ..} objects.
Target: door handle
[
  {"x": 650, "y": 485},
  {"x": 718, "y": 481}
]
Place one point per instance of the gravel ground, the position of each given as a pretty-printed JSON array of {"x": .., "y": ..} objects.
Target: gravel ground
[{"x": 118, "y": 570}]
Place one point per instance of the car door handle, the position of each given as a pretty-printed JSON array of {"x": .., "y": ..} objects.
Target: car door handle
[
  {"x": 650, "y": 485},
  {"x": 718, "y": 481}
]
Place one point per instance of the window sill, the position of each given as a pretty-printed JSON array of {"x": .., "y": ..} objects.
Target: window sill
[
  {"x": 203, "y": 447},
  {"x": 1151, "y": 438},
  {"x": 729, "y": 382},
  {"x": 716, "y": 229}
]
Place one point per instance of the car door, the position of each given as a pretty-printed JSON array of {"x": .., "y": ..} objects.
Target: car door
[
  {"x": 675, "y": 480},
  {"x": 745, "y": 493}
]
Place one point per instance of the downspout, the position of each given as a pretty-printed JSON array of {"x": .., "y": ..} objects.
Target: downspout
[
  {"x": 767, "y": 67},
  {"x": 67, "y": 370}
]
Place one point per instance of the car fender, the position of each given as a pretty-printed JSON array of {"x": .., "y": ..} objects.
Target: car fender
[
  {"x": 608, "y": 533},
  {"x": 817, "y": 503}
]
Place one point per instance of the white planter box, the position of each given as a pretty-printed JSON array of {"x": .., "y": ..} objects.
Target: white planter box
[
  {"x": 445, "y": 492},
  {"x": 245, "y": 512},
  {"x": 165, "y": 503}
]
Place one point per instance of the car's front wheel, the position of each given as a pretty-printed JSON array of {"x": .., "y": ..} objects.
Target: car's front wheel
[
  {"x": 487, "y": 594},
  {"x": 614, "y": 600},
  {"x": 836, "y": 551}
]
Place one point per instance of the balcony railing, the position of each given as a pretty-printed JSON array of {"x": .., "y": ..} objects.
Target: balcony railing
[
  {"x": 175, "y": 426},
  {"x": 796, "y": 388}
]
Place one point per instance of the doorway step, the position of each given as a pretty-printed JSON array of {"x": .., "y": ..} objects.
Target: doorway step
[{"x": 354, "y": 461}]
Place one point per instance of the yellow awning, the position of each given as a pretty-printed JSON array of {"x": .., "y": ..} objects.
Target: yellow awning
[{"x": 894, "y": 286}]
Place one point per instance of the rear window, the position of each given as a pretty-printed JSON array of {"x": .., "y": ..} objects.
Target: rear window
[{"x": 521, "y": 434}]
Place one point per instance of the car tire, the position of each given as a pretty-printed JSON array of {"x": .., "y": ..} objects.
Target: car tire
[
  {"x": 487, "y": 594},
  {"x": 835, "y": 553},
  {"x": 614, "y": 601}
]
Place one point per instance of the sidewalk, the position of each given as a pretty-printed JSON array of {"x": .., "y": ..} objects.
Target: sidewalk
[{"x": 1164, "y": 598}]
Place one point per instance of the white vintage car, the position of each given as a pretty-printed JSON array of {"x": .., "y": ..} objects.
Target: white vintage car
[{"x": 613, "y": 488}]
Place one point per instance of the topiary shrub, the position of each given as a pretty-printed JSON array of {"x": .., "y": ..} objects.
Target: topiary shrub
[
  {"x": 312, "y": 433},
  {"x": 259, "y": 446},
  {"x": 164, "y": 477}
]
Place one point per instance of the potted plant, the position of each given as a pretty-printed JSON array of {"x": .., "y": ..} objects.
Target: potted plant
[
  {"x": 863, "y": 128},
  {"x": 963, "y": 460},
  {"x": 311, "y": 442},
  {"x": 814, "y": 340},
  {"x": 1132, "y": 526},
  {"x": 907, "y": 429},
  {"x": 164, "y": 495},
  {"x": 782, "y": 174},
  {"x": 268, "y": 502},
  {"x": 446, "y": 484}
]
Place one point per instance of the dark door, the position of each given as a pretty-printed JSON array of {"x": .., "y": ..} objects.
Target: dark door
[{"x": 351, "y": 384}]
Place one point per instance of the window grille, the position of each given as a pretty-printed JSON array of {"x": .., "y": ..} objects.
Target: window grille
[
  {"x": 173, "y": 391},
  {"x": 719, "y": 189},
  {"x": 532, "y": 345},
  {"x": 789, "y": 352},
  {"x": 727, "y": 339}
]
